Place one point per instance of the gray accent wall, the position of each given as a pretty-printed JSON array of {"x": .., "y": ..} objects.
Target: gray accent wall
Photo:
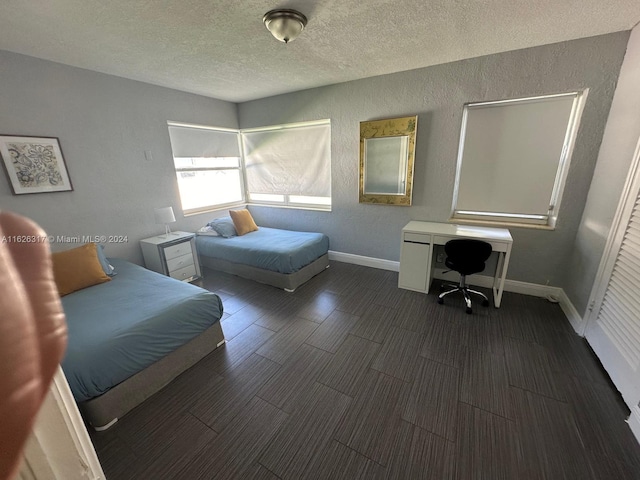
[
  {"x": 620, "y": 140},
  {"x": 104, "y": 124},
  {"x": 437, "y": 95}
]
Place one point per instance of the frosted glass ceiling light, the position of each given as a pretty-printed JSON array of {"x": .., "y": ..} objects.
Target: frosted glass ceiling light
[{"x": 284, "y": 24}]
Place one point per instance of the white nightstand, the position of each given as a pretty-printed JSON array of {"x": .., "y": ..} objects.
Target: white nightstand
[{"x": 174, "y": 255}]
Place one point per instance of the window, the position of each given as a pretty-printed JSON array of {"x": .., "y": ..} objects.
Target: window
[
  {"x": 283, "y": 165},
  {"x": 208, "y": 166},
  {"x": 513, "y": 158},
  {"x": 289, "y": 165},
  {"x": 290, "y": 200}
]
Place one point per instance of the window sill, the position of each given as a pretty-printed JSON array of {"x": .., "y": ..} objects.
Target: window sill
[
  {"x": 488, "y": 223},
  {"x": 191, "y": 213},
  {"x": 292, "y": 207}
]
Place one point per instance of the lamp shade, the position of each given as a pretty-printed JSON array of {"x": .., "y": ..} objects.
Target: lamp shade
[
  {"x": 284, "y": 24},
  {"x": 165, "y": 215}
]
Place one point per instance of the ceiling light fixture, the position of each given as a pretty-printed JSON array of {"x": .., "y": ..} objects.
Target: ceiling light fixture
[{"x": 284, "y": 24}]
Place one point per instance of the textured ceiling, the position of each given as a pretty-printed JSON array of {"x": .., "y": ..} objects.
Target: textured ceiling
[{"x": 221, "y": 48}]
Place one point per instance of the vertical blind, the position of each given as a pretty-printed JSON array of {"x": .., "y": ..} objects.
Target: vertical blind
[{"x": 290, "y": 159}]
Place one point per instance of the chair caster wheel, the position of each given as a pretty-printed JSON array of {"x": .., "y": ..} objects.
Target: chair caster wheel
[
  {"x": 441, "y": 301},
  {"x": 485, "y": 303},
  {"x": 441, "y": 288},
  {"x": 468, "y": 310}
]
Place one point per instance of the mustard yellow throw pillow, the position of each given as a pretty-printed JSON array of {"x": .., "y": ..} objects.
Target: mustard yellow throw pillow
[
  {"x": 77, "y": 268},
  {"x": 243, "y": 221}
]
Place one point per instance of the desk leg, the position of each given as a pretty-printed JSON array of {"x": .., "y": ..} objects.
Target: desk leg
[{"x": 501, "y": 274}]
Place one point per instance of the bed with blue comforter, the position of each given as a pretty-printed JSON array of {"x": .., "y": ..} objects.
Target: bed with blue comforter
[
  {"x": 282, "y": 258},
  {"x": 120, "y": 328}
]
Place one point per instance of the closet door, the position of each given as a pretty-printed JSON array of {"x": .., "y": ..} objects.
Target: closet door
[{"x": 613, "y": 330}]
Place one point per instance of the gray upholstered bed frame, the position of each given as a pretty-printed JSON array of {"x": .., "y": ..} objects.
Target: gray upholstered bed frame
[
  {"x": 103, "y": 411},
  {"x": 289, "y": 282}
]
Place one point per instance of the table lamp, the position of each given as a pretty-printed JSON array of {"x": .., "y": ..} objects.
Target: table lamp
[{"x": 165, "y": 216}]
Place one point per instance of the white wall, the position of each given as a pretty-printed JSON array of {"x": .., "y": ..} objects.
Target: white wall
[
  {"x": 104, "y": 124},
  {"x": 614, "y": 160},
  {"x": 437, "y": 95}
]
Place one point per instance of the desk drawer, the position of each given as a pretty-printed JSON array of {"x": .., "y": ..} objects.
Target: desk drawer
[
  {"x": 179, "y": 262},
  {"x": 495, "y": 246},
  {"x": 417, "y": 238},
  {"x": 177, "y": 250}
]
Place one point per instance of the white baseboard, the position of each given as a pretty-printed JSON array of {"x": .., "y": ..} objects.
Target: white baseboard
[
  {"x": 634, "y": 422},
  {"x": 576, "y": 321},
  {"x": 533, "y": 289},
  {"x": 365, "y": 261},
  {"x": 555, "y": 294},
  {"x": 513, "y": 286}
]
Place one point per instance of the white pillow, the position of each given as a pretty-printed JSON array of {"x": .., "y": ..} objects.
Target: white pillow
[{"x": 207, "y": 231}]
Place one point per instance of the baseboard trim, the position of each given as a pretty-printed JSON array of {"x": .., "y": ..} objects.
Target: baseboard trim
[
  {"x": 533, "y": 289},
  {"x": 513, "y": 286},
  {"x": 365, "y": 261},
  {"x": 576, "y": 321},
  {"x": 486, "y": 281},
  {"x": 634, "y": 422}
]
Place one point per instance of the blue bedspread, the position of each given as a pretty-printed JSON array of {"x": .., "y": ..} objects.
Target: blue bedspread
[
  {"x": 283, "y": 251},
  {"x": 119, "y": 328}
]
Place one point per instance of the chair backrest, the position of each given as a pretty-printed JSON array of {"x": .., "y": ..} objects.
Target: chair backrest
[{"x": 467, "y": 255}]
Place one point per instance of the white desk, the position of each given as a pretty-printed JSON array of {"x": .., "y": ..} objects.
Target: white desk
[{"x": 416, "y": 254}]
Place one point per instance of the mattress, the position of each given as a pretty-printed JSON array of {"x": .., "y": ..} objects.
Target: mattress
[
  {"x": 121, "y": 327},
  {"x": 282, "y": 251}
]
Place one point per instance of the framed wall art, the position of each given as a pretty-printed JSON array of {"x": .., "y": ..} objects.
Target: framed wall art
[{"x": 34, "y": 164}]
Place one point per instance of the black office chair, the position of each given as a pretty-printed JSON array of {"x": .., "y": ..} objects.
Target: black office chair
[{"x": 465, "y": 256}]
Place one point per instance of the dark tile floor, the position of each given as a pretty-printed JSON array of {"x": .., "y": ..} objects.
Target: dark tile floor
[{"x": 350, "y": 377}]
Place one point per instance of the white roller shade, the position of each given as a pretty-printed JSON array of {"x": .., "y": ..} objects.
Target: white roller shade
[
  {"x": 289, "y": 160},
  {"x": 511, "y": 153},
  {"x": 203, "y": 142}
]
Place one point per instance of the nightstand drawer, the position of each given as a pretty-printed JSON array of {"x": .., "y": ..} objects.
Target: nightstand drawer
[
  {"x": 184, "y": 273},
  {"x": 177, "y": 250},
  {"x": 173, "y": 255},
  {"x": 179, "y": 262}
]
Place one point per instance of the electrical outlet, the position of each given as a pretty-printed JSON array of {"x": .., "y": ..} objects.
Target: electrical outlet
[{"x": 440, "y": 258}]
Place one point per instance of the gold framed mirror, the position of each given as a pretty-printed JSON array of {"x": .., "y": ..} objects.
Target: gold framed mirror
[{"x": 387, "y": 152}]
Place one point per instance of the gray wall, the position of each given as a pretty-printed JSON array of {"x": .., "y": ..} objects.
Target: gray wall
[
  {"x": 437, "y": 95},
  {"x": 104, "y": 124},
  {"x": 621, "y": 136}
]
